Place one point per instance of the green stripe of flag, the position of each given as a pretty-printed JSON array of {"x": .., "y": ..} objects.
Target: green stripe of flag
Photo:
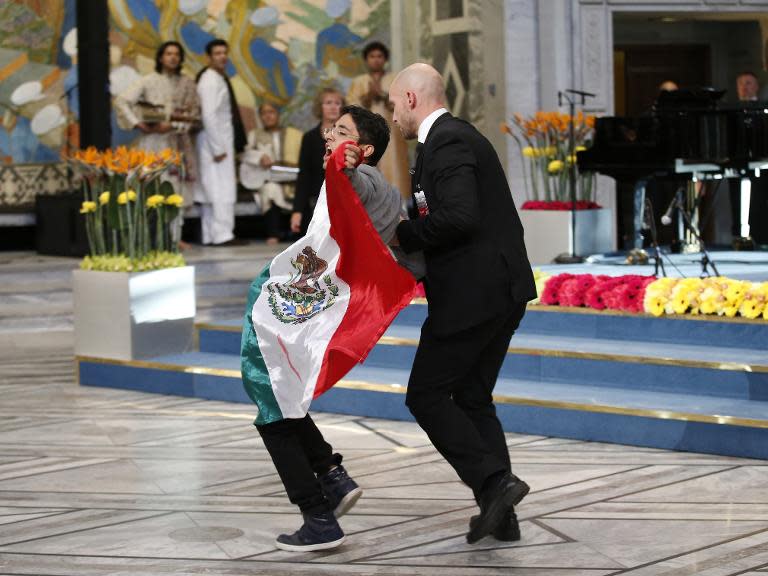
[{"x": 254, "y": 369}]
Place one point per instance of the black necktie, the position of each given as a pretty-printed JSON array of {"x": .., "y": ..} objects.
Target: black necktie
[{"x": 419, "y": 150}]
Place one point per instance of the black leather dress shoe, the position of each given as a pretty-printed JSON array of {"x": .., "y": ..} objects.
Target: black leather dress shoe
[
  {"x": 496, "y": 502},
  {"x": 507, "y": 531}
]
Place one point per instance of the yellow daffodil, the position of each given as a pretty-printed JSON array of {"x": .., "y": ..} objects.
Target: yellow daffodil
[
  {"x": 155, "y": 200},
  {"x": 87, "y": 207},
  {"x": 103, "y": 198},
  {"x": 529, "y": 152},
  {"x": 681, "y": 303},
  {"x": 555, "y": 166},
  {"x": 751, "y": 308},
  {"x": 175, "y": 200},
  {"x": 127, "y": 196},
  {"x": 708, "y": 306},
  {"x": 654, "y": 305},
  {"x": 730, "y": 310},
  {"x": 735, "y": 290}
]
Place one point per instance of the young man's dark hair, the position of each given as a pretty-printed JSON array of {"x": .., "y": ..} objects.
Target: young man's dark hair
[
  {"x": 375, "y": 45},
  {"x": 161, "y": 50},
  {"x": 213, "y": 43},
  {"x": 373, "y": 130}
]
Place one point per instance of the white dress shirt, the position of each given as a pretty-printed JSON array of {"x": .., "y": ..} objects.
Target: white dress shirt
[{"x": 426, "y": 124}]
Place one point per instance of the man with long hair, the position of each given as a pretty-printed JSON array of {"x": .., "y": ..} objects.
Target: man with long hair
[{"x": 165, "y": 108}]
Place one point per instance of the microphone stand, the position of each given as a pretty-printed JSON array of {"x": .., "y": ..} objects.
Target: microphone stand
[
  {"x": 657, "y": 260},
  {"x": 571, "y": 257},
  {"x": 706, "y": 261}
]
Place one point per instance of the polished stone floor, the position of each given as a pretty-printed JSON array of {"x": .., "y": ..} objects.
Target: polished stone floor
[{"x": 98, "y": 481}]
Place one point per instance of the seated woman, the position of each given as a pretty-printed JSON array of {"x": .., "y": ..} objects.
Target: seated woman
[{"x": 271, "y": 145}]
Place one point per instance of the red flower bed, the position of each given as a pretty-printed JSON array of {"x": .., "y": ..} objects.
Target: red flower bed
[
  {"x": 599, "y": 292},
  {"x": 557, "y": 205}
]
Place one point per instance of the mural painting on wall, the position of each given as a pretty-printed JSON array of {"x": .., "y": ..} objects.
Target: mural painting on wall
[
  {"x": 38, "y": 80},
  {"x": 281, "y": 51}
]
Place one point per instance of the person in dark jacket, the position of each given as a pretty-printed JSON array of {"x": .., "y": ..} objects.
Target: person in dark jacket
[
  {"x": 478, "y": 281},
  {"x": 327, "y": 107}
]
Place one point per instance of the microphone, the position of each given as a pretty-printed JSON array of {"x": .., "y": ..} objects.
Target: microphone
[
  {"x": 666, "y": 219},
  {"x": 580, "y": 93}
]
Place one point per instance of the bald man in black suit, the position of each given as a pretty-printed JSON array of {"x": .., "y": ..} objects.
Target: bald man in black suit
[{"x": 478, "y": 282}]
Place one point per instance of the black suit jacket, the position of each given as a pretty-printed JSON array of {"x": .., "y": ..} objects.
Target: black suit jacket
[
  {"x": 472, "y": 238},
  {"x": 311, "y": 173}
]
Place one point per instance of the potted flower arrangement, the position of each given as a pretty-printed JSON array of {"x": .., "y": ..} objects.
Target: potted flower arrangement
[
  {"x": 134, "y": 297},
  {"x": 543, "y": 142}
]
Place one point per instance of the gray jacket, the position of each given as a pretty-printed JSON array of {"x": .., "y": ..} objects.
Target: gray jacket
[{"x": 384, "y": 205}]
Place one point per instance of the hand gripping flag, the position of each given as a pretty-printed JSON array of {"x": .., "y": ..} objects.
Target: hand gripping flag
[{"x": 320, "y": 305}]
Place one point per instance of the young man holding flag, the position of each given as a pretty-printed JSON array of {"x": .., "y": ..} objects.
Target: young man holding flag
[{"x": 315, "y": 312}]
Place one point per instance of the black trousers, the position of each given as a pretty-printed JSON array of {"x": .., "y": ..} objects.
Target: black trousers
[
  {"x": 758, "y": 209},
  {"x": 276, "y": 222},
  {"x": 450, "y": 393},
  {"x": 300, "y": 453}
]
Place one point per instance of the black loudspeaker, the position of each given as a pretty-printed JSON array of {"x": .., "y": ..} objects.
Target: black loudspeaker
[{"x": 59, "y": 227}]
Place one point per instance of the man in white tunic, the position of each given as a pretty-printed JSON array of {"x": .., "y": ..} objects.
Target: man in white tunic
[{"x": 216, "y": 148}]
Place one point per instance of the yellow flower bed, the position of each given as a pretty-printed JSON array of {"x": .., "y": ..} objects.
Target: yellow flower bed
[
  {"x": 121, "y": 263},
  {"x": 717, "y": 295}
]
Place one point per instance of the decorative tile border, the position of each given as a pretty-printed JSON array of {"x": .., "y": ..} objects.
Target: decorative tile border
[{"x": 20, "y": 183}]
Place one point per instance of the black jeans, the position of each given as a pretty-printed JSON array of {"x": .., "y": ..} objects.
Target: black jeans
[
  {"x": 300, "y": 454},
  {"x": 276, "y": 222},
  {"x": 450, "y": 393}
]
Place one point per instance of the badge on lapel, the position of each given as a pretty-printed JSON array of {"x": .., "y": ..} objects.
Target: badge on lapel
[{"x": 421, "y": 201}]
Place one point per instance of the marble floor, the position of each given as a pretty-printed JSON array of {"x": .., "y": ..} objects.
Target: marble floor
[{"x": 101, "y": 481}]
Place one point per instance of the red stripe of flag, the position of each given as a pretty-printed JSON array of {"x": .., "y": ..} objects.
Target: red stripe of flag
[{"x": 379, "y": 287}]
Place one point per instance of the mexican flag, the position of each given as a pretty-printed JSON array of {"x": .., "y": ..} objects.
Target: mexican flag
[{"x": 320, "y": 305}]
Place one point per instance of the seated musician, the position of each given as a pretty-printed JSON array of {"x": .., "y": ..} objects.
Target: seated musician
[
  {"x": 640, "y": 193},
  {"x": 269, "y": 146},
  {"x": 748, "y": 90}
]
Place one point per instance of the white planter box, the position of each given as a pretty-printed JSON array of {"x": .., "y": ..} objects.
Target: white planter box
[
  {"x": 547, "y": 232},
  {"x": 129, "y": 316}
]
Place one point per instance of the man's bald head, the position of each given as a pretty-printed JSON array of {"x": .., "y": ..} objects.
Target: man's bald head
[{"x": 415, "y": 93}]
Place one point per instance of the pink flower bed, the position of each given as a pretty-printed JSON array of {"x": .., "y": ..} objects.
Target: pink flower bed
[{"x": 599, "y": 292}]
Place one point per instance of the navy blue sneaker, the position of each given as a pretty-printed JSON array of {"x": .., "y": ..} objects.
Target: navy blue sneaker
[
  {"x": 340, "y": 490},
  {"x": 319, "y": 532}
]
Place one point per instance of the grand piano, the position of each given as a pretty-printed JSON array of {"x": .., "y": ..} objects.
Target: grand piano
[{"x": 687, "y": 135}]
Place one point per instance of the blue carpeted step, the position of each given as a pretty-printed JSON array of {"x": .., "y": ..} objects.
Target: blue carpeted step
[
  {"x": 640, "y": 365},
  {"x": 738, "y": 333},
  {"x": 658, "y": 419}
]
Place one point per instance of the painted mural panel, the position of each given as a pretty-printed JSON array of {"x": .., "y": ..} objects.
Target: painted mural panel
[
  {"x": 38, "y": 80},
  {"x": 281, "y": 51}
]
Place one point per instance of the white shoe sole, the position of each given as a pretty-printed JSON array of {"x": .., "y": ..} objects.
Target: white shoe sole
[
  {"x": 348, "y": 502},
  {"x": 310, "y": 547}
]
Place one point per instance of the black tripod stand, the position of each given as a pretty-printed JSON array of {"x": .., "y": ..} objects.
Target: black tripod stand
[
  {"x": 658, "y": 263},
  {"x": 706, "y": 260}
]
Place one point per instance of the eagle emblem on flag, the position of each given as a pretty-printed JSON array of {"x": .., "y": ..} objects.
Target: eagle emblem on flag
[{"x": 303, "y": 296}]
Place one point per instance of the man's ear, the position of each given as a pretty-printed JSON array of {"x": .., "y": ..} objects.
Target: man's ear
[
  {"x": 367, "y": 149},
  {"x": 411, "y": 96}
]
